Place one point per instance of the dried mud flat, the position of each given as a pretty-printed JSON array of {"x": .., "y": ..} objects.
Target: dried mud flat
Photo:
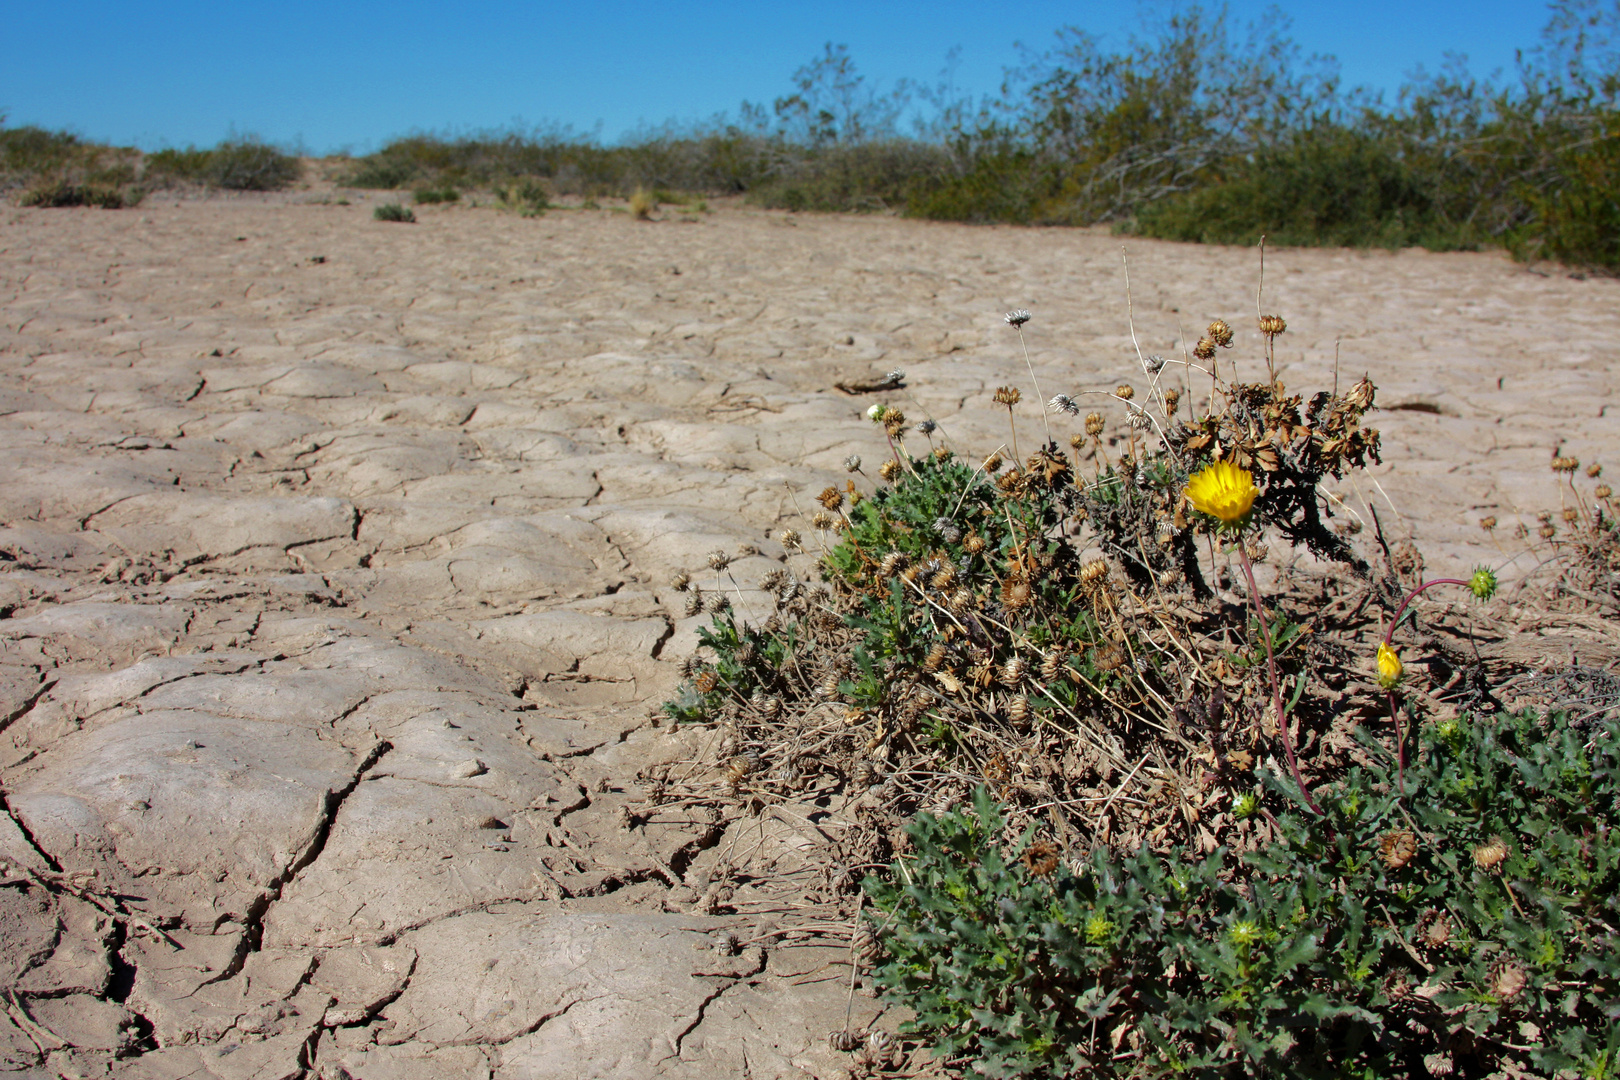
[{"x": 334, "y": 583}]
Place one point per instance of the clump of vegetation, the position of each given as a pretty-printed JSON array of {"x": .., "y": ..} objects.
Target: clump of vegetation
[
  {"x": 393, "y": 212},
  {"x": 642, "y": 204},
  {"x": 234, "y": 165},
  {"x": 527, "y": 197},
  {"x": 51, "y": 168},
  {"x": 429, "y": 196}
]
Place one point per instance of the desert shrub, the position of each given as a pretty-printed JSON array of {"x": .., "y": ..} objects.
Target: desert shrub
[
  {"x": 642, "y": 204},
  {"x": 54, "y": 193},
  {"x": 1470, "y": 926},
  {"x": 427, "y": 196},
  {"x": 525, "y": 196},
  {"x": 235, "y": 165},
  {"x": 393, "y": 212}
]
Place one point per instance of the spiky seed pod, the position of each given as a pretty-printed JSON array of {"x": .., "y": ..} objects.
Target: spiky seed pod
[
  {"x": 895, "y": 424},
  {"x": 1017, "y": 317},
  {"x": 1010, "y": 482},
  {"x": 1435, "y": 929},
  {"x": 1139, "y": 419},
  {"x": 927, "y": 427},
  {"x": 789, "y": 539},
  {"x": 962, "y": 601},
  {"x": 889, "y": 470},
  {"x": 936, "y": 657},
  {"x": 993, "y": 463},
  {"x": 1108, "y": 658},
  {"x": 1014, "y": 670},
  {"x": 1602, "y": 491},
  {"x": 1018, "y": 709},
  {"x": 746, "y": 653},
  {"x": 822, "y": 520},
  {"x": 1258, "y": 552},
  {"x": 773, "y": 707},
  {"x": 773, "y": 581},
  {"x": 1063, "y": 403},
  {"x": 949, "y": 531},
  {"x": 691, "y": 666},
  {"x": 1571, "y": 515},
  {"x": 1397, "y": 847},
  {"x": 1008, "y": 396},
  {"x": 843, "y": 1042},
  {"x": 1565, "y": 464},
  {"x": 1544, "y": 516},
  {"x": 680, "y": 580},
  {"x": 1053, "y": 664},
  {"x": 1124, "y": 392},
  {"x": 1487, "y": 523},
  {"x": 1508, "y": 981},
  {"x": 1077, "y": 441},
  {"x": 943, "y": 578},
  {"x": 1041, "y": 858},
  {"x": 973, "y": 543},
  {"x": 1220, "y": 333},
  {"x": 1094, "y": 424},
  {"x": 827, "y": 688},
  {"x": 913, "y": 572},
  {"x": 1490, "y": 855},
  {"x": 1093, "y": 573},
  {"x": 741, "y": 766},
  {"x": 865, "y": 946},
  {"x": 1548, "y": 531},
  {"x": 852, "y": 463},
  {"x": 942, "y": 453},
  {"x": 1154, "y": 363},
  {"x": 893, "y": 563},
  {"x": 694, "y": 603},
  {"x": 1397, "y": 986},
  {"x": 831, "y": 498},
  {"x": 863, "y": 774},
  {"x": 706, "y": 682},
  {"x": 1172, "y": 398},
  {"x": 1272, "y": 325},
  {"x": 719, "y": 560},
  {"x": 1016, "y": 593},
  {"x": 1593, "y": 471},
  {"x": 1205, "y": 349},
  {"x": 719, "y": 604}
]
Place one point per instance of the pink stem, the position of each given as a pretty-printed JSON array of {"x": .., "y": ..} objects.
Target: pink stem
[
  {"x": 1394, "y": 710},
  {"x": 1276, "y": 687},
  {"x": 1400, "y": 742}
]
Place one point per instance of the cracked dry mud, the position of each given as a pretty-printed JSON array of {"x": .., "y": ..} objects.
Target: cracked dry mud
[{"x": 334, "y": 583}]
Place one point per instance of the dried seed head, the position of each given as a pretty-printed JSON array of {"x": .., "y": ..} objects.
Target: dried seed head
[
  {"x": 1602, "y": 491},
  {"x": 1397, "y": 847},
  {"x": 1594, "y": 470},
  {"x": 1077, "y": 441},
  {"x": 1220, "y": 333},
  {"x": 1548, "y": 531},
  {"x": 1258, "y": 552},
  {"x": 942, "y": 453},
  {"x": 1094, "y": 424},
  {"x": 831, "y": 498},
  {"x": 852, "y": 463},
  {"x": 893, "y": 563},
  {"x": 691, "y": 666},
  {"x": 680, "y": 580},
  {"x": 1063, "y": 403},
  {"x": 927, "y": 427},
  {"x": 949, "y": 531},
  {"x": 827, "y": 688},
  {"x": 863, "y": 774},
  {"x": 894, "y": 422},
  {"x": 1205, "y": 349},
  {"x": 936, "y": 657},
  {"x": 1508, "y": 981},
  {"x": 1017, "y": 317},
  {"x": 822, "y": 520},
  {"x": 789, "y": 539},
  {"x": 1093, "y": 573},
  {"x": 1053, "y": 664},
  {"x": 1571, "y": 515},
  {"x": 1565, "y": 464},
  {"x": 1124, "y": 392},
  {"x": 1041, "y": 858},
  {"x": 1138, "y": 418},
  {"x": 1016, "y": 593},
  {"x": 868, "y": 952},
  {"x": 1488, "y": 522},
  {"x": 949, "y": 681},
  {"x": 1008, "y": 396},
  {"x": 1014, "y": 670},
  {"x": 843, "y": 1042},
  {"x": 1172, "y": 398},
  {"x": 1154, "y": 363},
  {"x": 719, "y": 560},
  {"x": 694, "y": 603},
  {"x": 962, "y": 601},
  {"x": 1436, "y": 929},
  {"x": 719, "y": 604},
  {"x": 725, "y": 943},
  {"x": 943, "y": 578},
  {"x": 973, "y": 543},
  {"x": 889, "y": 470},
  {"x": 1490, "y": 855},
  {"x": 1272, "y": 325},
  {"x": 993, "y": 463},
  {"x": 706, "y": 682},
  {"x": 1018, "y": 709}
]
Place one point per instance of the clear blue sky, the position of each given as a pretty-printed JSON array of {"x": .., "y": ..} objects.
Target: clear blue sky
[{"x": 334, "y": 76}]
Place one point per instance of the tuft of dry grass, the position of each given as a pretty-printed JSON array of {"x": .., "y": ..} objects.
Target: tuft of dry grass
[{"x": 642, "y": 204}]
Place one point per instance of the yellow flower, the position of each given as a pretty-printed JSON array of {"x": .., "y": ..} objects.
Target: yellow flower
[
  {"x": 1224, "y": 492},
  {"x": 1389, "y": 667}
]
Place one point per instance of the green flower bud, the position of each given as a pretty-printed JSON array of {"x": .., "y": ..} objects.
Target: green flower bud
[
  {"x": 1245, "y": 805},
  {"x": 1483, "y": 583},
  {"x": 875, "y": 413}
]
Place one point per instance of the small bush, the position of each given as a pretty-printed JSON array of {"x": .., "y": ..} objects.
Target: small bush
[
  {"x": 426, "y": 196},
  {"x": 381, "y": 175},
  {"x": 58, "y": 193},
  {"x": 642, "y": 204},
  {"x": 393, "y": 212},
  {"x": 235, "y": 165},
  {"x": 1469, "y": 928},
  {"x": 526, "y": 197}
]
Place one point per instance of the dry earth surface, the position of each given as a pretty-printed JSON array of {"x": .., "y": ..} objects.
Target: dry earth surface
[{"x": 335, "y": 592}]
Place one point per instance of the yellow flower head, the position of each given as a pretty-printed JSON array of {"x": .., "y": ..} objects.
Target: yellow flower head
[
  {"x": 1389, "y": 667},
  {"x": 1224, "y": 492}
]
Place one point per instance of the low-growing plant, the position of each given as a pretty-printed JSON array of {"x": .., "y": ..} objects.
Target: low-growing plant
[
  {"x": 526, "y": 197},
  {"x": 234, "y": 165},
  {"x": 393, "y": 212},
  {"x": 1472, "y": 929},
  {"x": 428, "y": 196},
  {"x": 53, "y": 193},
  {"x": 642, "y": 204}
]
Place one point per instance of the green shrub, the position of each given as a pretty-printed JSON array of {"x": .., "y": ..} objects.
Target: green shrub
[
  {"x": 393, "y": 212},
  {"x": 526, "y": 197},
  {"x": 235, "y": 165},
  {"x": 1471, "y": 925},
  {"x": 423, "y": 196},
  {"x": 56, "y": 193}
]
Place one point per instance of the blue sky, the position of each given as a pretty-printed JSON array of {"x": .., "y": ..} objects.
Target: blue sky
[{"x": 334, "y": 76}]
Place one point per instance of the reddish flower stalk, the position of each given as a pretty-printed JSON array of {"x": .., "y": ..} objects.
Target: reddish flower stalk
[
  {"x": 1276, "y": 687},
  {"x": 1394, "y": 707}
]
